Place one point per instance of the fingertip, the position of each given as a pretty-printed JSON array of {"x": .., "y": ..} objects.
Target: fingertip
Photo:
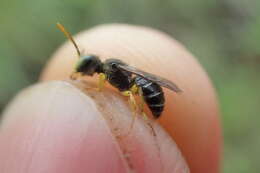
[
  {"x": 52, "y": 127},
  {"x": 56, "y": 127}
]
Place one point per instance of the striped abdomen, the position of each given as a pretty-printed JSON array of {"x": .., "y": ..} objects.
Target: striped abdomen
[{"x": 153, "y": 95}]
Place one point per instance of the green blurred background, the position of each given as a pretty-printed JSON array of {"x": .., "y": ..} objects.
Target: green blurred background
[{"x": 223, "y": 34}]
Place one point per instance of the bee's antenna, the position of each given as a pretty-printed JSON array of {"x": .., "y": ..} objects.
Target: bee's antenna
[{"x": 68, "y": 35}]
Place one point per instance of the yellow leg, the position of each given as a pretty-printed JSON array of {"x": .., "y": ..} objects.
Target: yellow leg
[
  {"x": 132, "y": 105},
  {"x": 101, "y": 82},
  {"x": 134, "y": 89},
  {"x": 131, "y": 99}
]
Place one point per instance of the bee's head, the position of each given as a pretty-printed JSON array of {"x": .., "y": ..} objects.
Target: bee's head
[{"x": 88, "y": 65}]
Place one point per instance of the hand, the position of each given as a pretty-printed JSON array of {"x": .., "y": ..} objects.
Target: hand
[{"x": 60, "y": 127}]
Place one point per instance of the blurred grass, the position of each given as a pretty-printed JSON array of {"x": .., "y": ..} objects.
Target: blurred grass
[{"x": 223, "y": 34}]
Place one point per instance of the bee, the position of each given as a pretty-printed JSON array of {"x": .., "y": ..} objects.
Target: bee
[{"x": 128, "y": 80}]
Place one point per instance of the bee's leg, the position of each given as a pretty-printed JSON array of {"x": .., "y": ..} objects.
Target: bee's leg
[
  {"x": 101, "y": 81},
  {"x": 138, "y": 90},
  {"x": 132, "y": 105}
]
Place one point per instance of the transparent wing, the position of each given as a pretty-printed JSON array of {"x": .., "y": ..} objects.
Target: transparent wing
[{"x": 157, "y": 79}]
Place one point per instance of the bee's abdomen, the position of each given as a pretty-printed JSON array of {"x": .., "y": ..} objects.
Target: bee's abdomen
[{"x": 152, "y": 94}]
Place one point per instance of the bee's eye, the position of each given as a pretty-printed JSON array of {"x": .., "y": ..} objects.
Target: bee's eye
[{"x": 114, "y": 66}]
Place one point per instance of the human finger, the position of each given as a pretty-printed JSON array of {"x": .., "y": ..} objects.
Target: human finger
[
  {"x": 191, "y": 118},
  {"x": 60, "y": 127}
]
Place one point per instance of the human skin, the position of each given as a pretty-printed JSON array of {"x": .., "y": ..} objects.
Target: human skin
[{"x": 188, "y": 128}]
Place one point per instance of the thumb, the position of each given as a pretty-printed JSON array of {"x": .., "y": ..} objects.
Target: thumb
[{"x": 59, "y": 127}]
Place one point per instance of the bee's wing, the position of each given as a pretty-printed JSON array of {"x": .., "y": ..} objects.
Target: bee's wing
[{"x": 157, "y": 79}]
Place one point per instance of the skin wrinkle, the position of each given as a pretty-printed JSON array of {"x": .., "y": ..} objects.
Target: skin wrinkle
[
  {"x": 83, "y": 95},
  {"x": 36, "y": 131},
  {"x": 40, "y": 129},
  {"x": 108, "y": 116},
  {"x": 104, "y": 104},
  {"x": 3, "y": 127}
]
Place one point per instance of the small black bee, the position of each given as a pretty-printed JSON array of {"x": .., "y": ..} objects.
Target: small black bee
[{"x": 125, "y": 78}]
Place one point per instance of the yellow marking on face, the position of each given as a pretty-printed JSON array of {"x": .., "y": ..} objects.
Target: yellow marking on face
[{"x": 102, "y": 80}]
